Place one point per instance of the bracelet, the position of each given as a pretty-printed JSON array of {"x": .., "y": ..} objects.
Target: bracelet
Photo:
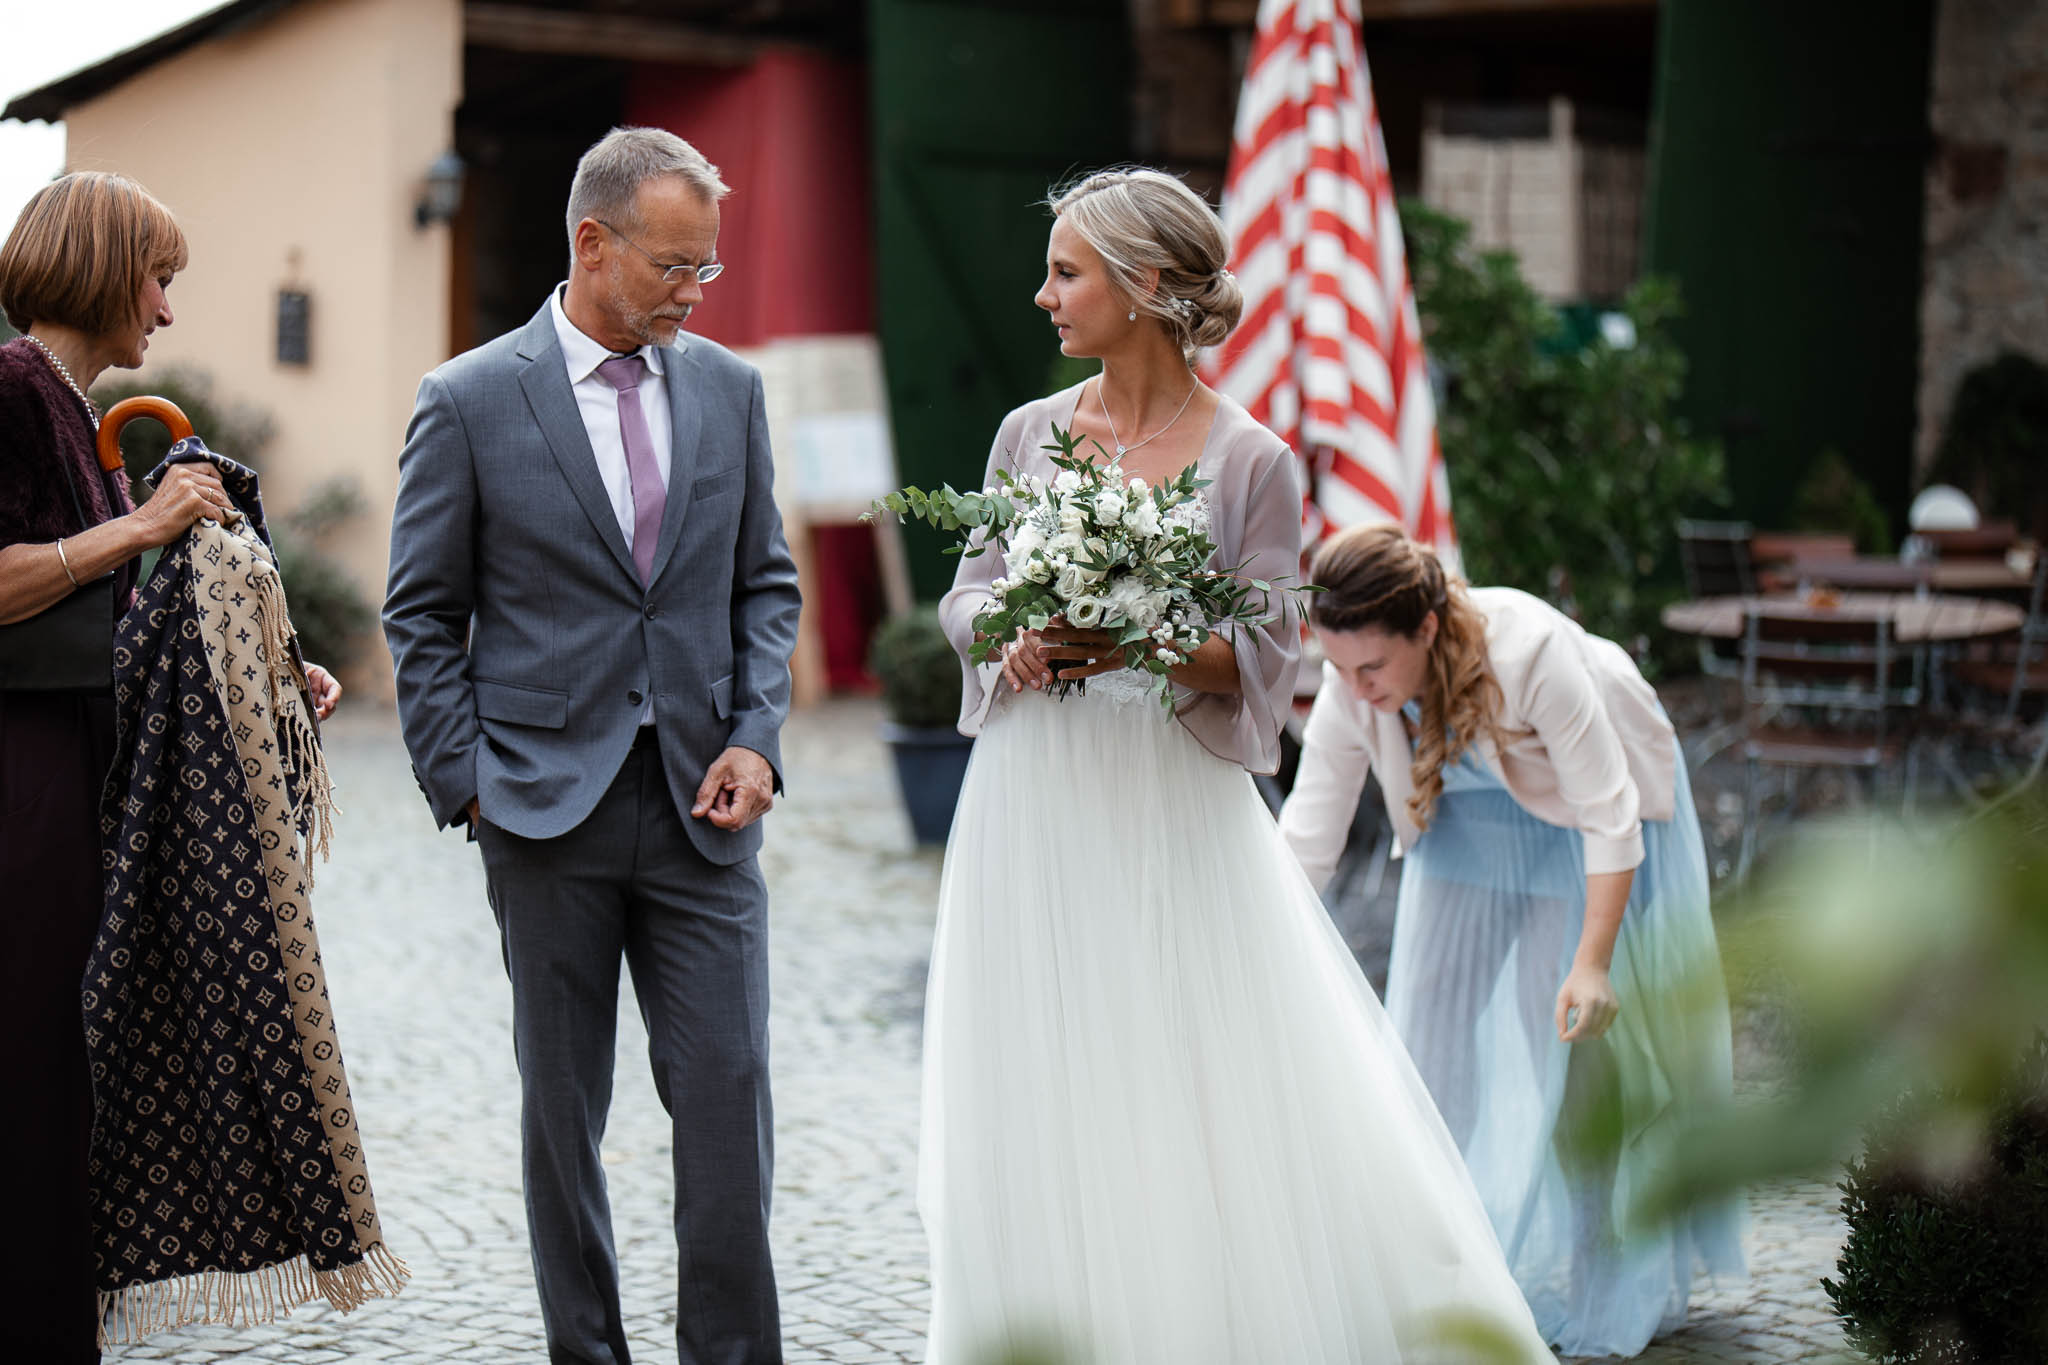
[{"x": 65, "y": 560}]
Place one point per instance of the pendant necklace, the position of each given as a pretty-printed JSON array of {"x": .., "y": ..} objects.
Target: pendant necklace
[
  {"x": 1116, "y": 440},
  {"x": 64, "y": 373}
]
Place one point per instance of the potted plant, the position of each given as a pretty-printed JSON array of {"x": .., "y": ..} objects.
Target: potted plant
[{"x": 920, "y": 677}]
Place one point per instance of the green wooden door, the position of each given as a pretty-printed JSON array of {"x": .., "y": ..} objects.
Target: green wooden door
[
  {"x": 979, "y": 109},
  {"x": 1786, "y": 193}
]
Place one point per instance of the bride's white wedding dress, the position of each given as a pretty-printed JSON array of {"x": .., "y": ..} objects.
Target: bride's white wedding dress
[{"x": 1166, "y": 1120}]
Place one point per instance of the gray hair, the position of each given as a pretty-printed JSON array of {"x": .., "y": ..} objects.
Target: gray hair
[
  {"x": 609, "y": 177},
  {"x": 1139, "y": 219}
]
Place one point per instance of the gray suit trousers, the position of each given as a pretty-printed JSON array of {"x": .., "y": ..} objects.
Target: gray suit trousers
[{"x": 629, "y": 881}]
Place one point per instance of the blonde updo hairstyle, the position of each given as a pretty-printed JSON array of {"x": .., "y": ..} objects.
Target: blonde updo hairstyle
[
  {"x": 1379, "y": 577},
  {"x": 1139, "y": 219}
]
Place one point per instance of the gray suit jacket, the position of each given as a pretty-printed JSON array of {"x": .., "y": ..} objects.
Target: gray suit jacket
[{"x": 523, "y": 640}]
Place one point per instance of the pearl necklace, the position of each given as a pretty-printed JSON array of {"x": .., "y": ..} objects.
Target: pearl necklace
[
  {"x": 64, "y": 373},
  {"x": 1116, "y": 440}
]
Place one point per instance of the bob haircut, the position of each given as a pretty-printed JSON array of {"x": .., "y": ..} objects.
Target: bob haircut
[{"x": 82, "y": 250}]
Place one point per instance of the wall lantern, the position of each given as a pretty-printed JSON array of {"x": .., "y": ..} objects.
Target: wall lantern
[{"x": 442, "y": 193}]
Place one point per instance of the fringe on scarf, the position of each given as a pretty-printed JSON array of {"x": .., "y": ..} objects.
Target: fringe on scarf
[
  {"x": 313, "y": 808},
  {"x": 254, "y": 1298}
]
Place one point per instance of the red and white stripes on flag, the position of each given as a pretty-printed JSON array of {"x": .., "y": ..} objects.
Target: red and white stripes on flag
[{"x": 1329, "y": 352}]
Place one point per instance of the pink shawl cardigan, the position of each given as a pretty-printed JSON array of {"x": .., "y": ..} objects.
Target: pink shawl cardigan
[{"x": 1588, "y": 745}]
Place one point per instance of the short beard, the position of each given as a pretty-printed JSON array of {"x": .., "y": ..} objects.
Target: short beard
[{"x": 648, "y": 326}]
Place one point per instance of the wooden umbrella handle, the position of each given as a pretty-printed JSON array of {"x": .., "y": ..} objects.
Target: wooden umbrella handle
[{"x": 126, "y": 411}]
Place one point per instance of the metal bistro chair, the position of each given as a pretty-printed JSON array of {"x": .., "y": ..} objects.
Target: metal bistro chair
[
  {"x": 2024, "y": 667},
  {"x": 1819, "y": 692},
  {"x": 1717, "y": 561}
]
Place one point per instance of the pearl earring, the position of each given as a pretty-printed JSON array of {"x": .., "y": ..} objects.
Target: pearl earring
[{"x": 1134, "y": 315}]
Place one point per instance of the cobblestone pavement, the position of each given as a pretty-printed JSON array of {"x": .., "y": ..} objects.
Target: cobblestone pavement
[{"x": 424, "y": 1014}]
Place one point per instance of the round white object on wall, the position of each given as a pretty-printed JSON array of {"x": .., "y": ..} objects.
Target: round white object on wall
[{"x": 1942, "y": 507}]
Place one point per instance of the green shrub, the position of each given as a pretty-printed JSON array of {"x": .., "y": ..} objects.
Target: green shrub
[
  {"x": 328, "y": 609},
  {"x": 1568, "y": 468},
  {"x": 1997, "y": 434},
  {"x": 1833, "y": 498},
  {"x": 919, "y": 671},
  {"x": 1947, "y": 1264}
]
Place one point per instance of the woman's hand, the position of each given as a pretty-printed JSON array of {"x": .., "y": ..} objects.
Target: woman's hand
[
  {"x": 1088, "y": 652},
  {"x": 189, "y": 492},
  {"x": 1588, "y": 992},
  {"x": 1024, "y": 662},
  {"x": 325, "y": 690}
]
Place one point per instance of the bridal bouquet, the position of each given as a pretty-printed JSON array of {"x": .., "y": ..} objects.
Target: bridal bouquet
[{"x": 1091, "y": 552}]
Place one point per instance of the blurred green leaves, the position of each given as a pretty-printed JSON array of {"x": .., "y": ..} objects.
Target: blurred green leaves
[{"x": 1911, "y": 958}]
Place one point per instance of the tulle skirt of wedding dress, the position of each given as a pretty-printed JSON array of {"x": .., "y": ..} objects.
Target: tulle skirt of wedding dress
[
  {"x": 1166, "y": 1120},
  {"x": 1562, "y": 1138}
]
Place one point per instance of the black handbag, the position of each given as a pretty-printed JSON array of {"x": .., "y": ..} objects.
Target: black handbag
[{"x": 66, "y": 647}]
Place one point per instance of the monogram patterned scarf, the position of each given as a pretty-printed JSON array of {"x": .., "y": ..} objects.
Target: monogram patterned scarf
[{"x": 228, "y": 1181}]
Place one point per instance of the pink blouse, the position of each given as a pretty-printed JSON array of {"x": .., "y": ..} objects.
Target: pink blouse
[
  {"x": 1254, "y": 497},
  {"x": 1587, "y": 747}
]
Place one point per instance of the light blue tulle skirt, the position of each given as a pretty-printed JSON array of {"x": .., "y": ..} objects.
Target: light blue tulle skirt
[{"x": 1561, "y": 1138}]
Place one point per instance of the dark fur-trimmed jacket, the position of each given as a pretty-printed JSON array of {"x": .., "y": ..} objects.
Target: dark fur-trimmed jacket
[{"x": 44, "y": 428}]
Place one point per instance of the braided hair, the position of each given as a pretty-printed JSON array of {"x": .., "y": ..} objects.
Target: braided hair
[{"x": 1378, "y": 577}]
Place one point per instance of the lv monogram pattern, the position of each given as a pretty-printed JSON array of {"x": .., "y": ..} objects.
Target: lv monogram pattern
[{"x": 224, "y": 1138}]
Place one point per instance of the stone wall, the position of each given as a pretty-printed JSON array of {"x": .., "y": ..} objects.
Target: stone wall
[{"x": 1986, "y": 285}]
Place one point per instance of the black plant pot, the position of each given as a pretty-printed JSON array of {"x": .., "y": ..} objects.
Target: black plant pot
[{"x": 930, "y": 764}]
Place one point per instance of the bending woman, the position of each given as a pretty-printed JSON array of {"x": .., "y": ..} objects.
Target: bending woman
[{"x": 1554, "y": 970}]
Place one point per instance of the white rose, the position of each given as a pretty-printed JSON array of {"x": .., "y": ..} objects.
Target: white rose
[
  {"x": 1066, "y": 543},
  {"x": 1085, "y": 613},
  {"x": 1139, "y": 490},
  {"x": 1038, "y": 570},
  {"x": 1109, "y": 506},
  {"x": 1073, "y": 516},
  {"x": 1071, "y": 584},
  {"x": 1066, "y": 482}
]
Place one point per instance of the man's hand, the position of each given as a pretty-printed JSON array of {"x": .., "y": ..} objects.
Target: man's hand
[
  {"x": 325, "y": 690},
  {"x": 737, "y": 791},
  {"x": 475, "y": 815}
]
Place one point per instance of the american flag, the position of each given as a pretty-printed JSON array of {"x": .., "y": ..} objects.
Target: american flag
[{"x": 1329, "y": 352}]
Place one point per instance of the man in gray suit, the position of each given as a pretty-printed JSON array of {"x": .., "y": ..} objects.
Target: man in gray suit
[{"x": 591, "y": 612}]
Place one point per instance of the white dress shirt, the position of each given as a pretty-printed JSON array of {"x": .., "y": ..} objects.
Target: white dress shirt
[{"x": 598, "y": 401}]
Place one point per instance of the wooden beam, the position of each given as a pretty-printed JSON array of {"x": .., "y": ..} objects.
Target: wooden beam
[
  {"x": 518, "y": 28},
  {"x": 1435, "y": 9}
]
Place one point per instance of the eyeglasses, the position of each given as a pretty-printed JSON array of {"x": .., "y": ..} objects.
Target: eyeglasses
[{"x": 670, "y": 274}]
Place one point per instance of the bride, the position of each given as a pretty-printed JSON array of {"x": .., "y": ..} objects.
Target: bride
[{"x": 1165, "y": 1118}]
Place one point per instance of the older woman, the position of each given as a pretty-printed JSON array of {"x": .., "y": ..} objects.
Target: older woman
[{"x": 84, "y": 275}]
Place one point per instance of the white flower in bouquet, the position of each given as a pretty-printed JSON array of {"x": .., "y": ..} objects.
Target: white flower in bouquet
[
  {"x": 1137, "y": 603},
  {"x": 1130, "y": 560},
  {"x": 1026, "y": 541},
  {"x": 1087, "y": 612},
  {"x": 1094, "y": 550},
  {"x": 1141, "y": 519}
]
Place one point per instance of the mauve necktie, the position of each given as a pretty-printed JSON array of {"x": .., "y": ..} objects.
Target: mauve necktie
[{"x": 623, "y": 372}]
